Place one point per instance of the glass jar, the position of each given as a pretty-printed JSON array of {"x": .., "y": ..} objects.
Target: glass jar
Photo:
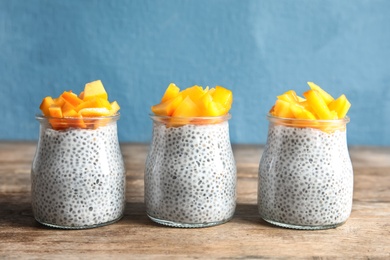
[
  {"x": 305, "y": 174},
  {"x": 190, "y": 173},
  {"x": 78, "y": 174}
]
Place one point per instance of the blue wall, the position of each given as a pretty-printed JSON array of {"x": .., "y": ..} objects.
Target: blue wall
[{"x": 258, "y": 49}]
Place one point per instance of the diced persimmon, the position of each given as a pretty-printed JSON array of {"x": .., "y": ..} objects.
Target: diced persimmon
[
  {"x": 289, "y": 96},
  {"x": 171, "y": 92},
  {"x": 223, "y": 96},
  {"x": 208, "y": 107},
  {"x": 71, "y": 113},
  {"x": 325, "y": 95},
  {"x": 74, "y": 119},
  {"x": 216, "y": 109},
  {"x": 187, "y": 108},
  {"x": 301, "y": 99},
  {"x": 59, "y": 102},
  {"x": 55, "y": 111},
  {"x": 94, "y": 112},
  {"x": 341, "y": 105},
  {"x": 305, "y": 105},
  {"x": 334, "y": 115},
  {"x": 45, "y": 105},
  {"x": 56, "y": 121},
  {"x": 194, "y": 92},
  {"x": 81, "y": 95},
  {"x": 94, "y": 89},
  {"x": 168, "y": 107},
  {"x": 114, "y": 108},
  {"x": 95, "y": 102},
  {"x": 203, "y": 104},
  {"x": 272, "y": 110},
  {"x": 282, "y": 109},
  {"x": 318, "y": 104},
  {"x": 67, "y": 107},
  {"x": 308, "y": 119},
  {"x": 72, "y": 98},
  {"x": 300, "y": 112},
  {"x": 211, "y": 91},
  {"x": 104, "y": 103}
]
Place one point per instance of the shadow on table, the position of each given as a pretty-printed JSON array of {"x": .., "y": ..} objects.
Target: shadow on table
[
  {"x": 135, "y": 213},
  {"x": 248, "y": 213},
  {"x": 16, "y": 211}
]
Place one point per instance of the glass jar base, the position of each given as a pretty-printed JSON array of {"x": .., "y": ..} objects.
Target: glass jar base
[
  {"x": 303, "y": 227},
  {"x": 187, "y": 225},
  {"x": 78, "y": 227}
]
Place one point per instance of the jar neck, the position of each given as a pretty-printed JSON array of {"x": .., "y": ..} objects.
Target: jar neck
[
  {"x": 170, "y": 121},
  {"x": 323, "y": 125},
  {"x": 73, "y": 122}
]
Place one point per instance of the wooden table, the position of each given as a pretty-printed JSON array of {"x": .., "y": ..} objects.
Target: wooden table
[{"x": 365, "y": 235}]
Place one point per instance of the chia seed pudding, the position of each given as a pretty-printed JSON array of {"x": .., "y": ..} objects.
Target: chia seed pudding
[
  {"x": 305, "y": 177},
  {"x": 78, "y": 177},
  {"x": 190, "y": 175}
]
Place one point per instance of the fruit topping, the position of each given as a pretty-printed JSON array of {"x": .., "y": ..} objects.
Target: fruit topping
[
  {"x": 194, "y": 101},
  {"x": 316, "y": 104},
  {"x": 72, "y": 110}
]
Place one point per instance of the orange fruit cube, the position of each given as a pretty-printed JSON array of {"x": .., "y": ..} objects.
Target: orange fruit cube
[
  {"x": 325, "y": 95},
  {"x": 55, "y": 111},
  {"x": 223, "y": 96},
  {"x": 282, "y": 109},
  {"x": 95, "y": 102},
  {"x": 208, "y": 107},
  {"x": 75, "y": 119},
  {"x": 45, "y": 105},
  {"x": 289, "y": 96},
  {"x": 341, "y": 105},
  {"x": 59, "y": 102},
  {"x": 94, "y": 89},
  {"x": 318, "y": 104},
  {"x": 72, "y": 98},
  {"x": 168, "y": 107},
  {"x": 216, "y": 109},
  {"x": 114, "y": 108},
  {"x": 194, "y": 92},
  {"x": 171, "y": 92},
  {"x": 300, "y": 112},
  {"x": 94, "y": 112},
  {"x": 67, "y": 107},
  {"x": 187, "y": 108},
  {"x": 56, "y": 121}
]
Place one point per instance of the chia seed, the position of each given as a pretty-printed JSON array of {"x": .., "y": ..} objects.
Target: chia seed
[
  {"x": 305, "y": 178},
  {"x": 190, "y": 175},
  {"x": 78, "y": 178}
]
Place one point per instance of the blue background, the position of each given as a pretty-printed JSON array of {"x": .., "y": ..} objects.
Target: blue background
[{"x": 258, "y": 49}]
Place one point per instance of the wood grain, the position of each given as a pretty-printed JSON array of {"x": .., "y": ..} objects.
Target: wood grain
[{"x": 365, "y": 235}]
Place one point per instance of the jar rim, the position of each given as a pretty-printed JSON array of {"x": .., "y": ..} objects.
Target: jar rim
[
  {"x": 286, "y": 120},
  {"x": 328, "y": 126},
  {"x": 157, "y": 117},
  {"x": 41, "y": 118},
  {"x": 190, "y": 120}
]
